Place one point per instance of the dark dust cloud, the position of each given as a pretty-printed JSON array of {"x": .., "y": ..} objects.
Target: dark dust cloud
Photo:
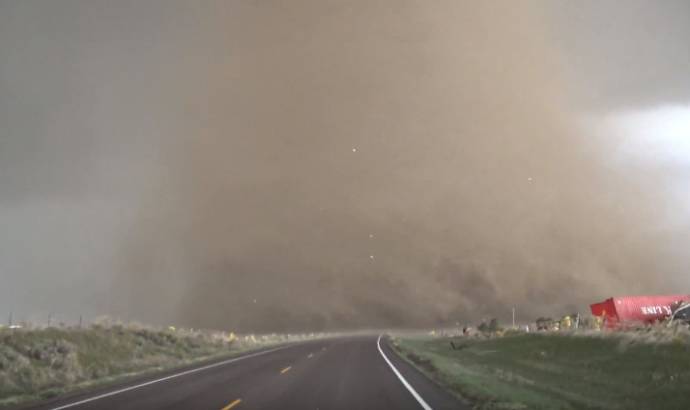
[{"x": 273, "y": 166}]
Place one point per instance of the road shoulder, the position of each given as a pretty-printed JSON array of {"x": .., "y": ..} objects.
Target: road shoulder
[{"x": 433, "y": 393}]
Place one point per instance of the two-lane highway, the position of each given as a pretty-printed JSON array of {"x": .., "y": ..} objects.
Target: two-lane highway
[{"x": 345, "y": 373}]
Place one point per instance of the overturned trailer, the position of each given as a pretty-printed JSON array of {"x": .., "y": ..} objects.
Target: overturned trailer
[{"x": 630, "y": 310}]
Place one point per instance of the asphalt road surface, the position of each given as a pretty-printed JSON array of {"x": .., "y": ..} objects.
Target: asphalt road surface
[{"x": 345, "y": 373}]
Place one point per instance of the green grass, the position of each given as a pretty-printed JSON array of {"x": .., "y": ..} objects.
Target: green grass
[
  {"x": 42, "y": 363},
  {"x": 552, "y": 371}
]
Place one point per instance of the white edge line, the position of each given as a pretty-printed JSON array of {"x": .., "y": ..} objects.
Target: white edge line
[
  {"x": 198, "y": 369},
  {"x": 412, "y": 391}
]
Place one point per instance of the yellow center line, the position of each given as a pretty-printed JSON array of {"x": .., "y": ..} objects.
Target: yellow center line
[
  {"x": 285, "y": 369},
  {"x": 231, "y": 405}
]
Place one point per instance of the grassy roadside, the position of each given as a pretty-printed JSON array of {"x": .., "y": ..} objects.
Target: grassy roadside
[
  {"x": 554, "y": 371},
  {"x": 37, "y": 364}
]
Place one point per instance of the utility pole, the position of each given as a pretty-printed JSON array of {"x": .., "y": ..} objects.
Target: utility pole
[
  {"x": 80, "y": 321},
  {"x": 513, "y": 317},
  {"x": 9, "y": 322}
]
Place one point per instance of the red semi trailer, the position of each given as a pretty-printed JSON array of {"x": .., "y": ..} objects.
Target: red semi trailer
[{"x": 621, "y": 310}]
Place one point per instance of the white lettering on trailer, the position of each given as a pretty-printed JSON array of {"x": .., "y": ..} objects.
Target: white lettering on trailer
[{"x": 656, "y": 310}]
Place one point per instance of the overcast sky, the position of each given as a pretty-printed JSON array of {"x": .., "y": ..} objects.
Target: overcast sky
[{"x": 266, "y": 165}]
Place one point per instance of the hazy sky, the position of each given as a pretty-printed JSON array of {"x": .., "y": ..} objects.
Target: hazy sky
[{"x": 266, "y": 165}]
